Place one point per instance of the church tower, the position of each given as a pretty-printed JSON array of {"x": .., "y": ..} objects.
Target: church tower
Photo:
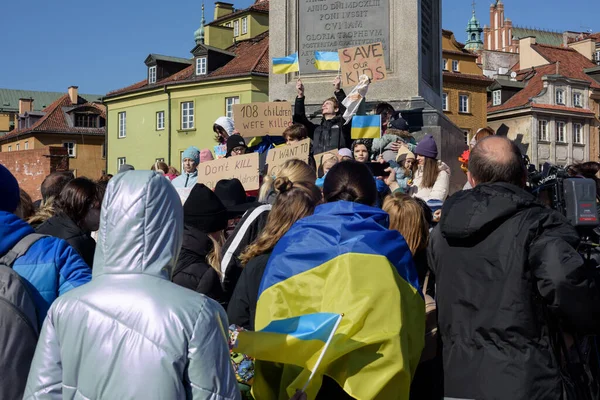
[{"x": 474, "y": 31}]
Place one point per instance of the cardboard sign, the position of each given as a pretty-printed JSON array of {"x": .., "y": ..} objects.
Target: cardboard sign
[
  {"x": 367, "y": 60},
  {"x": 279, "y": 155},
  {"x": 319, "y": 158},
  {"x": 244, "y": 168},
  {"x": 260, "y": 119}
]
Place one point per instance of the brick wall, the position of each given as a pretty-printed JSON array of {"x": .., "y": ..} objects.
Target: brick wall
[{"x": 31, "y": 167}]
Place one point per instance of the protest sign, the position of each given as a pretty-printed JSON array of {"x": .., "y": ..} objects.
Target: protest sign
[
  {"x": 367, "y": 60},
  {"x": 279, "y": 155},
  {"x": 260, "y": 119},
  {"x": 244, "y": 168},
  {"x": 319, "y": 158},
  {"x": 220, "y": 151}
]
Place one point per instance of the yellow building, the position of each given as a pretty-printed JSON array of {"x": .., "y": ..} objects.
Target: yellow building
[
  {"x": 71, "y": 122},
  {"x": 177, "y": 104},
  {"x": 230, "y": 25},
  {"x": 464, "y": 97}
]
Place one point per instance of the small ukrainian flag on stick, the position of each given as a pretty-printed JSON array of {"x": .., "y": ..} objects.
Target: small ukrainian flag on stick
[
  {"x": 285, "y": 65},
  {"x": 327, "y": 61},
  {"x": 366, "y": 127}
]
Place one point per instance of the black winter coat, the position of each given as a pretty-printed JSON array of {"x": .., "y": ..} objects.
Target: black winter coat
[
  {"x": 498, "y": 255},
  {"x": 242, "y": 306},
  {"x": 193, "y": 271},
  {"x": 63, "y": 227},
  {"x": 331, "y": 134}
]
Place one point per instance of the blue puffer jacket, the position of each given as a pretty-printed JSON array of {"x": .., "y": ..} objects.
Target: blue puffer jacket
[{"x": 51, "y": 266}]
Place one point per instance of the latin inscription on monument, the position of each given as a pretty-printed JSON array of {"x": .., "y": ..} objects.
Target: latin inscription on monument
[{"x": 329, "y": 25}]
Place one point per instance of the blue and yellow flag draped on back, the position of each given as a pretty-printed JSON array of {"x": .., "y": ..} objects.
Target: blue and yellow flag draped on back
[{"x": 341, "y": 260}]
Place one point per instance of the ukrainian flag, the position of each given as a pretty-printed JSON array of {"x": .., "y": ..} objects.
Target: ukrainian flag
[
  {"x": 327, "y": 60},
  {"x": 366, "y": 127},
  {"x": 284, "y": 65},
  {"x": 341, "y": 260}
]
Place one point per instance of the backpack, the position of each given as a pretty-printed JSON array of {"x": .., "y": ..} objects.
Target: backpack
[
  {"x": 18, "y": 323},
  {"x": 431, "y": 328}
]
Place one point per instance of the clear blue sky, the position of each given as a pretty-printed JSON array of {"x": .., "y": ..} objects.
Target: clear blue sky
[{"x": 101, "y": 46}]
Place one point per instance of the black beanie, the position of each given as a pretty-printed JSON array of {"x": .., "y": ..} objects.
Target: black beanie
[
  {"x": 234, "y": 141},
  {"x": 204, "y": 211}
]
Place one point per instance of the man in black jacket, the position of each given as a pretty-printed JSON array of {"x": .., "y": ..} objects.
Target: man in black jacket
[
  {"x": 500, "y": 258},
  {"x": 332, "y": 133}
]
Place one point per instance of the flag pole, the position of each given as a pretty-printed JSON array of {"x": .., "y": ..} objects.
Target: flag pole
[{"x": 312, "y": 374}]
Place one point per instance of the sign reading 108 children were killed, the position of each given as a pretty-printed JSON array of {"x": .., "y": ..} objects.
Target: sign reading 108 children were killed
[
  {"x": 260, "y": 119},
  {"x": 244, "y": 168},
  {"x": 330, "y": 25}
]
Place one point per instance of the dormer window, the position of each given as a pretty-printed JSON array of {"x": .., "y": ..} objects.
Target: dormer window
[
  {"x": 152, "y": 74},
  {"x": 577, "y": 99},
  {"x": 201, "y": 66},
  {"x": 236, "y": 28},
  {"x": 560, "y": 96},
  {"x": 497, "y": 97}
]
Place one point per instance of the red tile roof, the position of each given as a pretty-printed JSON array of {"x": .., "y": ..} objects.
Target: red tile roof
[
  {"x": 563, "y": 108},
  {"x": 468, "y": 77},
  {"x": 572, "y": 63},
  {"x": 251, "y": 57},
  {"x": 55, "y": 120},
  {"x": 260, "y": 6}
]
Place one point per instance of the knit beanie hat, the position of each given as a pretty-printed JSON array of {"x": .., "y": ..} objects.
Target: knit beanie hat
[
  {"x": 206, "y": 155},
  {"x": 234, "y": 141},
  {"x": 403, "y": 154},
  {"x": 193, "y": 153},
  {"x": 399, "y": 124},
  {"x": 344, "y": 152},
  {"x": 427, "y": 147},
  {"x": 226, "y": 123},
  {"x": 10, "y": 197},
  {"x": 204, "y": 211}
]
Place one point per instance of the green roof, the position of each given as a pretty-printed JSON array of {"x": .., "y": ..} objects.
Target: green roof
[
  {"x": 160, "y": 57},
  {"x": 9, "y": 98},
  {"x": 541, "y": 37}
]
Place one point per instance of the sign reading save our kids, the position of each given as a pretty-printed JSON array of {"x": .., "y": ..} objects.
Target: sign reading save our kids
[
  {"x": 367, "y": 59},
  {"x": 260, "y": 119},
  {"x": 244, "y": 168},
  {"x": 279, "y": 155}
]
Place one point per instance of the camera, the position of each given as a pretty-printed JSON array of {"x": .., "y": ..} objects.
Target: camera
[{"x": 574, "y": 197}]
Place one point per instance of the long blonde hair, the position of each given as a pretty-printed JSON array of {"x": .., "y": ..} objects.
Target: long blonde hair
[
  {"x": 408, "y": 218},
  {"x": 214, "y": 256},
  {"x": 295, "y": 200},
  {"x": 294, "y": 170}
]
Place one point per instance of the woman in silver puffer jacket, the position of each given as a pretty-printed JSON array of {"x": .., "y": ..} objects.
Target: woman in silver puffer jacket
[{"x": 130, "y": 333}]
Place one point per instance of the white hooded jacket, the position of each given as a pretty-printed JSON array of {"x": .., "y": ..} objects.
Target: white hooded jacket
[{"x": 439, "y": 191}]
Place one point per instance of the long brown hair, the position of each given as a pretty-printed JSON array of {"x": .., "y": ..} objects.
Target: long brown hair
[
  {"x": 430, "y": 172},
  {"x": 214, "y": 256},
  {"x": 295, "y": 200},
  {"x": 408, "y": 218}
]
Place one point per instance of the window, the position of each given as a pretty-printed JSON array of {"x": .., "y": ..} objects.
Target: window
[
  {"x": 160, "y": 120},
  {"x": 467, "y": 133},
  {"x": 445, "y": 101},
  {"x": 201, "y": 66},
  {"x": 70, "y": 146},
  {"x": 463, "y": 103},
  {"x": 160, "y": 160},
  {"x": 445, "y": 64},
  {"x": 560, "y": 132},
  {"x": 497, "y": 97},
  {"x": 229, "y": 102},
  {"x": 244, "y": 25},
  {"x": 86, "y": 120},
  {"x": 152, "y": 74},
  {"x": 228, "y": 24},
  {"x": 560, "y": 96},
  {"x": 543, "y": 131},
  {"x": 122, "y": 123},
  {"x": 598, "y": 56},
  {"x": 18, "y": 145},
  {"x": 120, "y": 162},
  {"x": 577, "y": 99},
  {"x": 187, "y": 115},
  {"x": 577, "y": 133},
  {"x": 9, "y": 148},
  {"x": 236, "y": 28},
  {"x": 26, "y": 145},
  {"x": 455, "y": 65}
]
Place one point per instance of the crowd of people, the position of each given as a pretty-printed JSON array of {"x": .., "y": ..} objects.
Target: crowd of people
[{"x": 115, "y": 289}]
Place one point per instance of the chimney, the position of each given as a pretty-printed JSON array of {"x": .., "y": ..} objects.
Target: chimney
[
  {"x": 585, "y": 47},
  {"x": 73, "y": 94},
  {"x": 25, "y": 105},
  {"x": 222, "y": 9}
]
